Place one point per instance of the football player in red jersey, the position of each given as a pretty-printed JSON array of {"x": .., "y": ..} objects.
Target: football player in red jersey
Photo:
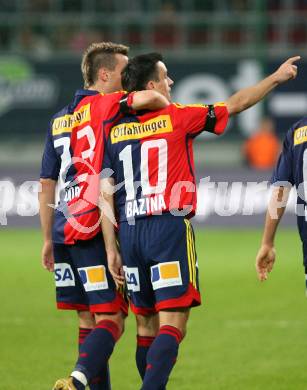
[
  {"x": 151, "y": 159},
  {"x": 73, "y": 245}
]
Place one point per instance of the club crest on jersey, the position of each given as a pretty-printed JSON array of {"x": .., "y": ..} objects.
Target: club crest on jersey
[
  {"x": 94, "y": 278},
  {"x": 136, "y": 130},
  {"x": 300, "y": 135},
  {"x": 166, "y": 275},
  {"x": 63, "y": 275},
  {"x": 132, "y": 278}
]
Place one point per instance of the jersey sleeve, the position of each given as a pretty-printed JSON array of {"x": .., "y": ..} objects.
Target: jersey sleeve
[
  {"x": 117, "y": 102},
  {"x": 195, "y": 118},
  {"x": 50, "y": 167},
  {"x": 283, "y": 173}
]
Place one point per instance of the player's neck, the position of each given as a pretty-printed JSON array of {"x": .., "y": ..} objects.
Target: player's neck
[
  {"x": 100, "y": 87},
  {"x": 95, "y": 88}
]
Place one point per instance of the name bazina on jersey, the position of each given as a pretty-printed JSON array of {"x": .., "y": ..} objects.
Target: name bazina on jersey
[{"x": 145, "y": 206}]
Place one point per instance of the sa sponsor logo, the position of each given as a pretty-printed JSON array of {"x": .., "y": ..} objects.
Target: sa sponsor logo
[
  {"x": 94, "y": 278},
  {"x": 63, "y": 275},
  {"x": 132, "y": 278},
  {"x": 166, "y": 275}
]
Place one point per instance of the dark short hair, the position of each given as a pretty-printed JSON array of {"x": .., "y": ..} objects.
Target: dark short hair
[
  {"x": 139, "y": 70},
  {"x": 99, "y": 55}
]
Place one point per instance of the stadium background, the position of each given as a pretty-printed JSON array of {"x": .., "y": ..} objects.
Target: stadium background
[{"x": 246, "y": 335}]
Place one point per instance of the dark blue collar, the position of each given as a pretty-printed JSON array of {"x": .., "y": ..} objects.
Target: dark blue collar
[
  {"x": 79, "y": 95},
  {"x": 85, "y": 92}
]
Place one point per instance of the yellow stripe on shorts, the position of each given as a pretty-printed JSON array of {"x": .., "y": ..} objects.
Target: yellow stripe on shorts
[
  {"x": 191, "y": 253},
  {"x": 191, "y": 257},
  {"x": 194, "y": 256}
]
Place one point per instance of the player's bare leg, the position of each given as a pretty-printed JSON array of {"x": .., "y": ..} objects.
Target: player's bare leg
[
  {"x": 163, "y": 352},
  {"x": 147, "y": 329},
  {"x": 147, "y": 325},
  {"x": 177, "y": 318},
  {"x": 86, "y": 319}
]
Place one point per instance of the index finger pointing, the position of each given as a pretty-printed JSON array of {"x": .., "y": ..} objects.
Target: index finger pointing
[{"x": 293, "y": 59}]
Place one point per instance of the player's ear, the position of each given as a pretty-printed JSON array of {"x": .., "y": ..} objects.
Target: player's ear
[
  {"x": 103, "y": 74},
  {"x": 150, "y": 85}
]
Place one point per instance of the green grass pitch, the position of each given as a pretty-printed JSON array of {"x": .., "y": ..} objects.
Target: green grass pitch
[{"x": 246, "y": 336}]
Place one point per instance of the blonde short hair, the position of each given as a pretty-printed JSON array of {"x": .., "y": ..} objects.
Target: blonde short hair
[{"x": 98, "y": 55}]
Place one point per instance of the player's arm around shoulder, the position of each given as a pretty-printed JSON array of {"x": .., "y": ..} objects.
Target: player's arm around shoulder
[
  {"x": 148, "y": 100},
  {"x": 247, "y": 97}
]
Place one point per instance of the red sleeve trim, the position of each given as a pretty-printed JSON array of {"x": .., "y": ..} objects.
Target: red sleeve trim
[
  {"x": 130, "y": 99},
  {"x": 125, "y": 104}
]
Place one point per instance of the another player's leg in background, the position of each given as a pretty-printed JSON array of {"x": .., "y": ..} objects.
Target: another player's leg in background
[
  {"x": 86, "y": 325},
  {"x": 147, "y": 329},
  {"x": 163, "y": 352}
]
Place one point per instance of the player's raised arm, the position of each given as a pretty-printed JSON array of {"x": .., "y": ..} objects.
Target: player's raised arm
[
  {"x": 247, "y": 97},
  {"x": 266, "y": 255}
]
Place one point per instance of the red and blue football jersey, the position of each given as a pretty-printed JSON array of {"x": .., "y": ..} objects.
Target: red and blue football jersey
[
  {"x": 291, "y": 170},
  {"x": 151, "y": 158},
  {"x": 73, "y": 155}
]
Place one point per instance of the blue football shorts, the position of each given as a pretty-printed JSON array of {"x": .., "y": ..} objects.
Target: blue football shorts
[
  {"x": 82, "y": 278},
  {"x": 160, "y": 263}
]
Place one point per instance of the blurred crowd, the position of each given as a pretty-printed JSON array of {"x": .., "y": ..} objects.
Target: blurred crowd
[
  {"x": 146, "y": 5},
  {"x": 261, "y": 150},
  {"x": 42, "y": 26}
]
